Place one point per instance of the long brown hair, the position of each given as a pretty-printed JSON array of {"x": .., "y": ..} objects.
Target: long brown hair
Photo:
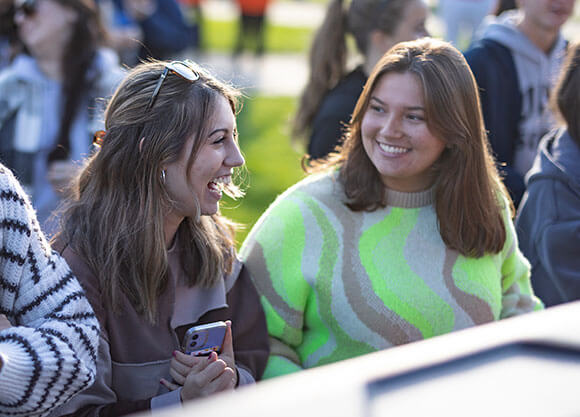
[
  {"x": 566, "y": 95},
  {"x": 328, "y": 52},
  {"x": 115, "y": 219},
  {"x": 87, "y": 35},
  {"x": 469, "y": 194}
]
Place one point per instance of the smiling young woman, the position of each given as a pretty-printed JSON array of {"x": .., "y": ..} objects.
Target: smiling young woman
[
  {"x": 405, "y": 234},
  {"x": 144, "y": 235}
]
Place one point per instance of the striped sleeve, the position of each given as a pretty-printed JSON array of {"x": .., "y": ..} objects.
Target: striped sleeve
[{"x": 49, "y": 354}]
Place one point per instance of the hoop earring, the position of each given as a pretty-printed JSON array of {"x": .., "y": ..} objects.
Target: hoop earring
[{"x": 163, "y": 176}]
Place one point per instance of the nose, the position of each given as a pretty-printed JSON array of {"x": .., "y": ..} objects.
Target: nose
[
  {"x": 234, "y": 156},
  {"x": 391, "y": 127}
]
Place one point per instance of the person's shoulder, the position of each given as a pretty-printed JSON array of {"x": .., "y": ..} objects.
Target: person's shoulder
[
  {"x": 343, "y": 97},
  {"x": 316, "y": 185},
  {"x": 484, "y": 49},
  {"x": 314, "y": 188},
  {"x": 10, "y": 188},
  {"x": 349, "y": 87}
]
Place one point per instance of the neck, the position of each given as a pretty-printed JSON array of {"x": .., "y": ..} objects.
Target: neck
[
  {"x": 543, "y": 38},
  {"x": 371, "y": 60},
  {"x": 171, "y": 224},
  {"x": 50, "y": 65},
  {"x": 368, "y": 67}
]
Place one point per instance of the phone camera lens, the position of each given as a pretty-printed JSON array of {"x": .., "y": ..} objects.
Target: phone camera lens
[{"x": 195, "y": 336}]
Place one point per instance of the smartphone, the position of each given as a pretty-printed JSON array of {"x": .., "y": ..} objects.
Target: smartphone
[{"x": 204, "y": 339}]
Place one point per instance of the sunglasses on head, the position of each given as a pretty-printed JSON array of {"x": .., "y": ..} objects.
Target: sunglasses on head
[
  {"x": 184, "y": 69},
  {"x": 26, "y": 7}
]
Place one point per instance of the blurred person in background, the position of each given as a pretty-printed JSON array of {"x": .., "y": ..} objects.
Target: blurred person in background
[
  {"x": 516, "y": 64},
  {"x": 548, "y": 222},
  {"x": 328, "y": 100},
  {"x": 251, "y": 25},
  {"x": 194, "y": 15},
  {"x": 7, "y": 32},
  {"x": 404, "y": 235},
  {"x": 158, "y": 25},
  {"x": 51, "y": 97}
]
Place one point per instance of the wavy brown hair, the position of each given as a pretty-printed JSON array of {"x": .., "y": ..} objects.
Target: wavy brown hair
[
  {"x": 115, "y": 219},
  {"x": 469, "y": 195},
  {"x": 566, "y": 95},
  {"x": 328, "y": 52}
]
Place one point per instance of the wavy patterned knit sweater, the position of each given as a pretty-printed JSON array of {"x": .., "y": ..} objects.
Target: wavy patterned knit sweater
[
  {"x": 49, "y": 353},
  {"x": 336, "y": 284}
]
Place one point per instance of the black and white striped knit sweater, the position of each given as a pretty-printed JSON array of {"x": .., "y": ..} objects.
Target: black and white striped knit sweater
[{"x": 49, "y": 354}]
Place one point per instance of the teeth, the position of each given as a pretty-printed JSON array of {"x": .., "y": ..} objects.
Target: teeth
[
  {"x": 218, "y": 184},
  {"x": 392, "y": 149}
]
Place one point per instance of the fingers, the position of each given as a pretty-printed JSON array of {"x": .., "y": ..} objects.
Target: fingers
[
  {"x": 182, "y": 365},
  {"x": 223, "y": 382},
  {"x": 228, "y": 346},
  {"x": 227, "y": 353},
  {"x": 169, "y": 385},
  {"x": 217, "y": 376},
  {"x": 185, "y": 359}
]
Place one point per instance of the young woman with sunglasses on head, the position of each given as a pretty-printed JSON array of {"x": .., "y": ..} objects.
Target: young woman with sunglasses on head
[
  {"x": 405, "y": 234},
  {"x": 51, "y": 96},
  {"x": 144, "y": 235},
  {"x": 328, "y": 99}
]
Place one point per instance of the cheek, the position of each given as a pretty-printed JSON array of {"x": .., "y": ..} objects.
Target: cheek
[
  {"x": 436, "y": 148},
  {"x": 368, "y": 126}
]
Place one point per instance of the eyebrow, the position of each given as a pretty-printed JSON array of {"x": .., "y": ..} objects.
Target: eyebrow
[
  {"x": 222, "y": 129},
  {"x": 414, "y": 108}
]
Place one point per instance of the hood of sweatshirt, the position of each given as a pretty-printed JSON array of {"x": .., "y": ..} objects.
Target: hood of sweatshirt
[
  {"x": 505, "y": 31},
  {"x": 537, "y": 73},
  {"x": 557, "y": 160}
]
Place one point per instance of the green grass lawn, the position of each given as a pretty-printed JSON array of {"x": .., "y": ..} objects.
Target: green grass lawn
[
  {"x": 272, "y": 163},
  {"x": 219, "y": 36}
]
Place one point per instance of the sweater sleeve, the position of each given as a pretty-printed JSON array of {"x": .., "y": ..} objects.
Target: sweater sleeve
[
  {"x": 517, "y": 293},
  {"x": 273, "y": 253},
  {"x": 49, "y": 354},
  {"x": 249, "y": 331}
]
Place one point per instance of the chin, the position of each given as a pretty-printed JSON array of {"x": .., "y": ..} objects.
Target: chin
[{"x": 209, "y": 210}]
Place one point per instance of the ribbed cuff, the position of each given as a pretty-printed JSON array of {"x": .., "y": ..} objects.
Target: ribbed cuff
[
  {"x": 244, "y": 376},
  {"x": 16, "y": 372}
]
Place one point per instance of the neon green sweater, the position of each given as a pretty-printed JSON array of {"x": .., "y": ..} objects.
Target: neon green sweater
[{"x": 336, "y": 284}]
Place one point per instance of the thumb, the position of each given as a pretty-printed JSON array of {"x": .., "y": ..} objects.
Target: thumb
[{"x": 228, "y": 346}]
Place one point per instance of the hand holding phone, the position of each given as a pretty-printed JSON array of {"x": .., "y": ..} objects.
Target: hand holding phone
[
  {"x": 200, "y": 376},
  {"x": 204, "y": 339}
]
